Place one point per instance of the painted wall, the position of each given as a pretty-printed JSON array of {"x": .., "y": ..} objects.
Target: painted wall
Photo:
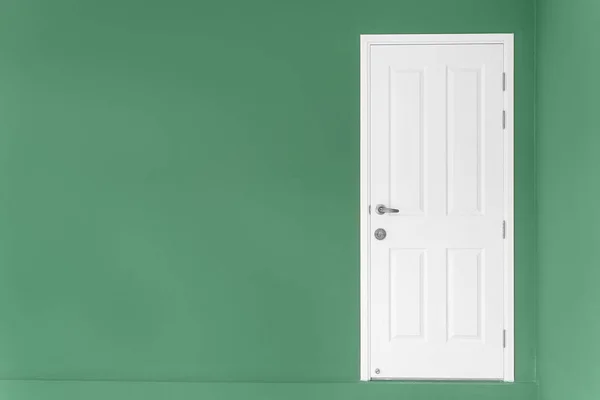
[
  {"x": 179, "y": 195},
  {"x": 569, "y": 218}
]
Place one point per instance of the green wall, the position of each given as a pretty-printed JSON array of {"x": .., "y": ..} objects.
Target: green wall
[
  {"x": 179, "y": 196},
  {"x": 569, "y": 222}
]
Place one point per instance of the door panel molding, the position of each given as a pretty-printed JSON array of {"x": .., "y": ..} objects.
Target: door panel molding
[{"x": 413, "y": 204}]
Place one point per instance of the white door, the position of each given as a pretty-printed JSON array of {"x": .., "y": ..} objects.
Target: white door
[{"x": 437, "y": 157}]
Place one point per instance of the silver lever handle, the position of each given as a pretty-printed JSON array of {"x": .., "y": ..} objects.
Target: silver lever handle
[{"x": 381, "y": 209}]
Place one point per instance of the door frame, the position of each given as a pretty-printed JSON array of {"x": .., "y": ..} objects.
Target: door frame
[{"x": 366, "y": 41}]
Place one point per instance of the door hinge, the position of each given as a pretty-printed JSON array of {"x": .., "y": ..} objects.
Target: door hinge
[
  {"x": 369, "y": 209},
  {"x": 504, "y": 339},
  {"x": 503, "y": 119},
  {"x": 504, "y": 81},
  {"x": 503, "y": 229}
]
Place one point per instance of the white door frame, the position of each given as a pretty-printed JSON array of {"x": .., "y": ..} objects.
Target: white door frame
[{"x": 366, "y": 41}]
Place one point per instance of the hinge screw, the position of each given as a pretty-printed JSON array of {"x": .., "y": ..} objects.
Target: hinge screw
[{"x": 377, "y": 371}]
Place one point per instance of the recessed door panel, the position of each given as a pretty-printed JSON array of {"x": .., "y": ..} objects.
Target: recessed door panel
[
  {"x": 407, "y": 294},
  {"x": 406, "y": 141},
  {"x": 465, "y": 293},
  {"x": 465, "y": 140}
]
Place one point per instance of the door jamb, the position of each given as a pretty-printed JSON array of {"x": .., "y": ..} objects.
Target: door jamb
[{"x": 366, "y": 41}]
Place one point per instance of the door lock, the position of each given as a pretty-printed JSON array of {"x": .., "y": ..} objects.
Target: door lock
[{"x": 380, "y": 234}]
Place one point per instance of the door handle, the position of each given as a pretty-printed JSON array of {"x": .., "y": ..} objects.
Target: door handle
[{"x": 381, "y": 209}]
